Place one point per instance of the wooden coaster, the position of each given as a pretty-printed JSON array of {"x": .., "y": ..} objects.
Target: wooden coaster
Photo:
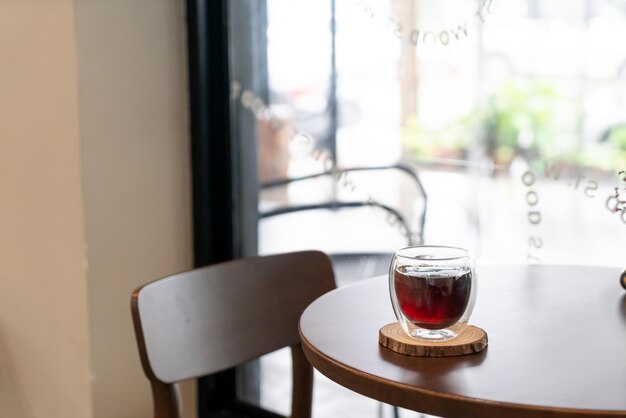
[{"x": 472, "y": 340}]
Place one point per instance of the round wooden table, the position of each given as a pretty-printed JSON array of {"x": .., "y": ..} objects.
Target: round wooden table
[{"x": 557, "y": 347}]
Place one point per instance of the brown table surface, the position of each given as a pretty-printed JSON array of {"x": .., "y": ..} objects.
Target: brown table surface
[{"x": 557, "y": 347}]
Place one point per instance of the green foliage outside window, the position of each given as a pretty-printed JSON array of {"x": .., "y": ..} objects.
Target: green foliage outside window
[
  {"x": 534, "y": 119},
  {"x": 528, "y": 118}
]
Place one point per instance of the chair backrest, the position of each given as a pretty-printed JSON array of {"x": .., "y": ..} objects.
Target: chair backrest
[{"x": 203, "y": 321}]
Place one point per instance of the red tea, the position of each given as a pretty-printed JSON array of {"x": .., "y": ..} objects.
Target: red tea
[{"x": 434, "y": 298}]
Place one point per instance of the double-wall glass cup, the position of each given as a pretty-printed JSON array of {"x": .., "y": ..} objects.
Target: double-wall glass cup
[{"x": 433, "y": 290}]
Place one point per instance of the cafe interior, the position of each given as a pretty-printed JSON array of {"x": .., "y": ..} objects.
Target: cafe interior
[{"x": 213, "y": 208}]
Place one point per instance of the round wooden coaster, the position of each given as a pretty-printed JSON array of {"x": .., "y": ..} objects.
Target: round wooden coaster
[{"x": 472, "y": 340}]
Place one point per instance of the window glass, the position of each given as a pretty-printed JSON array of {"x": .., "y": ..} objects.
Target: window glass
[{"x": 511, "y": 114}]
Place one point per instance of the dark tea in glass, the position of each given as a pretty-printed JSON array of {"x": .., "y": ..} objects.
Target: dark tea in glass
[
  {"x": 433, "y": 298},
  {"x": 432, "y": 290}
]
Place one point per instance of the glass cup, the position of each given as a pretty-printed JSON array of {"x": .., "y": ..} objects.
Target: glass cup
[{"x": 433, "y": 290}]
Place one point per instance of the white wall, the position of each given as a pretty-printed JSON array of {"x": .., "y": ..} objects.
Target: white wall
[
  {"x": 44, "y": 339},
  {"x": 133, "y": 127},
  {"x": 94, "y": 179}
]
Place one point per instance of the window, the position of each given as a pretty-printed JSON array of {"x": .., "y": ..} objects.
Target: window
[{"x": 512, "y": 113}]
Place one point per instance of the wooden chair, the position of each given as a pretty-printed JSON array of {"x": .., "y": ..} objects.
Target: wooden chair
[{"x": 204, "y": 321}]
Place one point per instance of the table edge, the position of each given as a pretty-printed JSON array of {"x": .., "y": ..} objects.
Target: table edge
[{"x": 432, "y": 402}]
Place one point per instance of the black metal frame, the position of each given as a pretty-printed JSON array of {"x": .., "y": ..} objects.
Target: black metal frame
[
  {"x": 224, "y": 182},
  {"x": 211, "y": 148},
  {"x": 211, "y": 162}
]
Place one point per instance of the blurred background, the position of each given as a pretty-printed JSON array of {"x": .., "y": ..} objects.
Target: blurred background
[
  {"x": 511, "y": 114},
  {"x": 470, "y": 95}
]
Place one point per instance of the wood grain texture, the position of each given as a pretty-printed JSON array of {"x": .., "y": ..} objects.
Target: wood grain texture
[
  {"x": 471, "y": 341},
  {"x": 544, "y": 358}
]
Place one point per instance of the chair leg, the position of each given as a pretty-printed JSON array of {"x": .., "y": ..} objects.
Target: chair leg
[
  {"x": 165, "y": 400},
  {"x": 302, "y": 393}
]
